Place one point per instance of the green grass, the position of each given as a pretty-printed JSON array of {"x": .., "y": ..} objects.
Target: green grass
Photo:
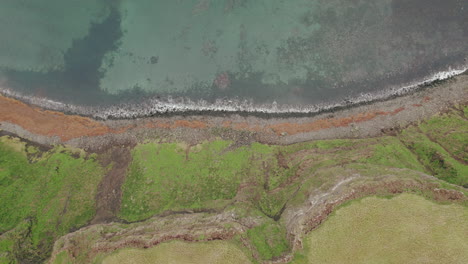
[
  {"x": 171, "y": 176},
  {"x": 177, "y": 252},
  {"x": 389, "y": 151},
  {"x": 269, "y": 240},
  {"x": 6, "y": 245},
  {"x": 434, "y": 157},
  {"x": 271, "y": 204},
  {"x": 166, "y": 177},
  {"x": 322, "y": 145},
  {"x": 162, "y": 177},
  {"x": 45, "y": 199},
  {"x": 62, "y": 258},
  {"x": 450, "y": 131},
  {"x": 404, "y": 229}
]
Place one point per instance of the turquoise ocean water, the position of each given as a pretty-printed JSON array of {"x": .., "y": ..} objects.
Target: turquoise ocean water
[{"x": 265, "y": 53}]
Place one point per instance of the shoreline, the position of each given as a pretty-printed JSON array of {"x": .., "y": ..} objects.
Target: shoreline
[
  {"x": 153, "y": 107},
  {"x": 357, "y": 121}
]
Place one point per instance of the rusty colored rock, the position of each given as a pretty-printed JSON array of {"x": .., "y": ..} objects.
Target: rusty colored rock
[
  {"x": 66, "y": 127},
  {"x": 292, "y": 128},
  {"x": 49, "y": 123}
]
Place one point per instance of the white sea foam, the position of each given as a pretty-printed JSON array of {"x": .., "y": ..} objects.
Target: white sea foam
[{"x": 154, "y": 106}]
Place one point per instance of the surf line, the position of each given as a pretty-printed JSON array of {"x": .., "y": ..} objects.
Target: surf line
[{"x": 155, "y": 106}]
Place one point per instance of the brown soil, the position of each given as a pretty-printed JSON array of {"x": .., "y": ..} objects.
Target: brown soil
[
  {"x": 214, "y": 234},
  {"x": 109, "y": 190}
]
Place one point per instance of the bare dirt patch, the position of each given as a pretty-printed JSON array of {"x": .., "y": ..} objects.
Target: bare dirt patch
[{"x": 109, "y": 190}]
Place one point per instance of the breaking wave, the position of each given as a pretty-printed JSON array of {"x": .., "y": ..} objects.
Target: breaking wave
[{"x": 157, "y": 106}]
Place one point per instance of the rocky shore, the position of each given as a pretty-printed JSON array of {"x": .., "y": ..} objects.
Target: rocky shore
[{"x": 366, "y": 120}]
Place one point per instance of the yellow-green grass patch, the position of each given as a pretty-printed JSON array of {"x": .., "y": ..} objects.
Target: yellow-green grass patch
[
  {"x": 178, "y": 252},
  {"x": 404, "y": 229}
]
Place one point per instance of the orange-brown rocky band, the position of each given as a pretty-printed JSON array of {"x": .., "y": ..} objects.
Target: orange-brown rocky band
[{"x": 66, "y": 127}]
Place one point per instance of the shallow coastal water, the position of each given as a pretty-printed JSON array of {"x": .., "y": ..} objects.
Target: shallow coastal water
[{"x": 266, "y": 55}]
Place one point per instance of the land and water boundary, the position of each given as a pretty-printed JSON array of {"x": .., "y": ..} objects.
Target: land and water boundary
[
  {"x": 91, "y": 187},
  {"x": 48, "y": 126}
]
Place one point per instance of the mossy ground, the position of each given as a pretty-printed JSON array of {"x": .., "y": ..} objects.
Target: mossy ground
[
  {"x": 168, "y": 177},
  {"x": 406, "y": 228},
  {"x": 42, "y": 199},
  {"x": 269, "y": 239}
]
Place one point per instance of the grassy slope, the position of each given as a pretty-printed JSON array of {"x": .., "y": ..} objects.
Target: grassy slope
[
  {"x": 164, "y": 177},
  {"x": 449, "y": 130},
  {"x": 57, "y": 191},
  {"x": 441, "y": 145},
  {"x": 403, "y": 229},
  {"x": 269, "y": 240},
  {"x": 42, "y": 200},
  {"x": 206, "y": 177},
  {"x": 212, "y": 175}
]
